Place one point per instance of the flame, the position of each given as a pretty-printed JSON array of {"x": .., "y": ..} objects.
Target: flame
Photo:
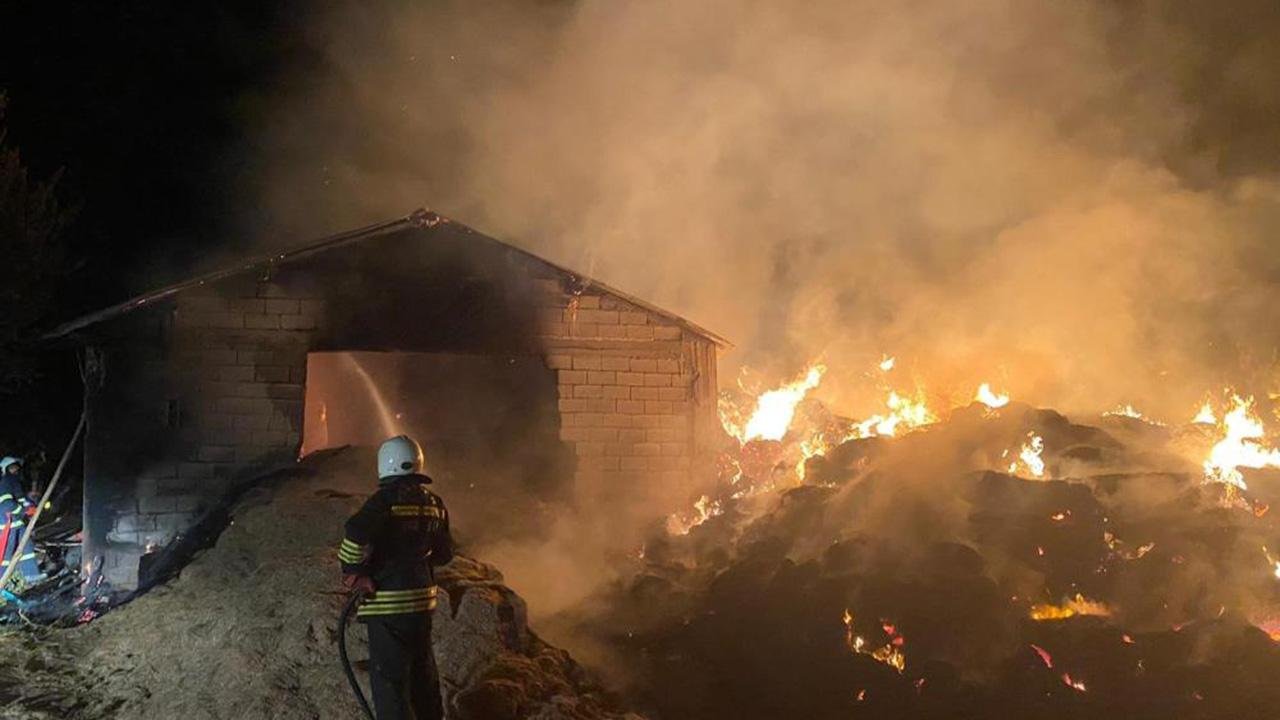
[
  {"x": 904, "y": 413},
  {"x": 1045, "y": 657},
  {"x": 1029, "y": 457},
  {"x": 1205, "y": 415},
  {"x": 887, "y": 364},
  {"x": 703, "y": 510},
  {"x": 989, "y": 398},
  {"x": 1070, "y": 607},
  {"x": 890, "y": 653},
  {"x": 1240, "y": 446},
  {"x": 1118, "y": 549},
  {"x": 774, "y": 409}
]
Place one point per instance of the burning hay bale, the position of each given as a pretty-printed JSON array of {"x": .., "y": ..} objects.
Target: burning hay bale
[{"x": 1002, "y": 560}]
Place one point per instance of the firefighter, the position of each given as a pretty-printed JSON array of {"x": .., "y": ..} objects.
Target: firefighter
[
  {"x": 388, "y": 553},
  {"x": 15, "y": 509}
]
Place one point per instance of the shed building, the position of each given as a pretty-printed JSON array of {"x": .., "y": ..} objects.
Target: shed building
[{"x": 520, "y": 376}]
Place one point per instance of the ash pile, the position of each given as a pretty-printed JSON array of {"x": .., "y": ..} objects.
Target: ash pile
[
  {"x": 1005, "y": 560},
  {"x": 248, "y": 629}
]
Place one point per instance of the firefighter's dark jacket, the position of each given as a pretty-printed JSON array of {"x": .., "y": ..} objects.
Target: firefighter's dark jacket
[{"x": 395, "y": 539}]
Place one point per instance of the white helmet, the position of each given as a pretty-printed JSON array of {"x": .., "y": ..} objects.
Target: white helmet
[
  {"x": 6, "y": 462},
  {"x": 400, "y": 455}
]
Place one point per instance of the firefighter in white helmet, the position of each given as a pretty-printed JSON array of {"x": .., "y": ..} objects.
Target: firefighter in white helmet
[{"x": 388, "y": 553}]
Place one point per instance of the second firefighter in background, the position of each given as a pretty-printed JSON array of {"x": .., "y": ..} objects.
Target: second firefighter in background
[{"x": 389, "y": 551}]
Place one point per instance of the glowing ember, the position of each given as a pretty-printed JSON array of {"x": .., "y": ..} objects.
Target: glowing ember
[
  {"x": 1124, "y": 411},
  {"x": 887, "y": 364},
  {"x": 1077, "y": 685},
  {"x": 989, "y": 398},
  {"x": 1078, "y": 605},
  {"x": 1119, "y": 549},
  {"x": 703, "y": 510},
  {"x": 1240, "y": 446},
  {"x": 890, "y": 653},
  {"x": 774, "y": 409},
  {"x": 1271, "y": 559},
  {"x": 1060, "y": 516},
  {"x": 1045, "y": 657}
]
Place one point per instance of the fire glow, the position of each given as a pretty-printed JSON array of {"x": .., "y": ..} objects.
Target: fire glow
[
  {"x": 775, "y": 409},
  {"x": 1070, "y": 607},
  {"x": 1240, "y": 446}
]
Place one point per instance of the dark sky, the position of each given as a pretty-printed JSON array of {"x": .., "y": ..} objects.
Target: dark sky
[
  {"x": 153, "y": 109},
  {"x": 149, "y": 109}
]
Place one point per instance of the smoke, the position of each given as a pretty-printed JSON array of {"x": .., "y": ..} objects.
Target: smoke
[{"x": 1075, "y": 198}]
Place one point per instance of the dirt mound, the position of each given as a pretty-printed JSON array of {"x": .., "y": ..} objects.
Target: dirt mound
[{"x": 249, "y": 629}]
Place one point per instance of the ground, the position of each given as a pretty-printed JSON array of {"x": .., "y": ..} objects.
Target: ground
[{"x": 249, "y": 629}]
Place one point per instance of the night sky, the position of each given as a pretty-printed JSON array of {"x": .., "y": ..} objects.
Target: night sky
[{"x": 149, "y": 109}]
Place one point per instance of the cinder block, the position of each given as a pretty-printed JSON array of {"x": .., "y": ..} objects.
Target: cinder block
[
  {"x": 613, "y": 332},
  {"x": 657, "y": 407},
  {"x": 662, "y": 435},
  {"x": 236, "y": 405},
  {"x": 587, "y": 391},
  {"x": 261, "y": 322},
  {"x": 646, "y": 365},
  {"x": 598, "y": 317},
  {"x": 589, "y": 449},
  {"x": 588, "y": 302},
  {"x": 553, "y": 329},
  {"x": 673, "y": 422},
  {"x": 639, "y": 332},
  {"x": 602, "y": 377},
  {"x": 666, "y": 333},
  {"x": 633, "y": 318},
  {"x": 616, "y": 420},
  {"x": 675, "y": 449},
  {"x": 575, "y": 434},
  {"x": 631, "y": 407},
  {"x": 298, "y": 322},
  {"x": 615, "y": 363},
  {"x": 629, "y": 378},
  {"x": 586, "y": 362},
  {"x": 604, "y": 435},
  {"x": 597, "y": 463},
  {"x": 314, "y": 308},
  {"x": 581, "y": 329},
  {"x": 668, "y": 365},
  {"x": 647, "y": 449},
  {"x": 644, "y": 393},
  {"x": 286, "y": 391},
  {"x": 570, "y": 405},
  {"x": 218, "y": 357},
  {"x": 672, "y": 393},
  {"x": 665, "y": 462},
  {"x": 282, "y": 307},
  {"x": 233, "y": 373},
  {"x": 616, "y": 392},
  {"x": 573, "y": 377},
  {"x": 254, "y": 357},
  {"x": 632, "y": 436},
  {"x": 247, "y": 305},
  {"x": 633, "y": 463},
  {"x": 271, "y": 374},
  {"x": 657, "y": 379},
  {"x": 270, "y": 438}
]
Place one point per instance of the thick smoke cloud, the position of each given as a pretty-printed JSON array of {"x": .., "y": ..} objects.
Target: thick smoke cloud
[{"x": 1076, "y": 200}]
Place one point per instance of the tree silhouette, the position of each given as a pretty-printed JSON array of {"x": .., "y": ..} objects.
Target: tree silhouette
[{"x": 32, "y": 260}]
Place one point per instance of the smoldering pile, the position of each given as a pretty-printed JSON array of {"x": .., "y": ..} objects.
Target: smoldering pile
[{"x": 906, "y": 576}]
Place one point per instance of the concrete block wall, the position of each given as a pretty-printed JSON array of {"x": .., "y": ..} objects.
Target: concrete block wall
[
  {"x": 631, "y": 385},
  {"x": 238, "y": 363}
]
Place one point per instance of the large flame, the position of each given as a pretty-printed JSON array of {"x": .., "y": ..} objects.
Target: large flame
[
  {"x": 774, "y": 409},
  {"x": 1240, "y": 446},
  {"x": 989, "y": 398}
]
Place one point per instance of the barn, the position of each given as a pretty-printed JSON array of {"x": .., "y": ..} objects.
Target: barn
[{"x": 527, "y": 382}]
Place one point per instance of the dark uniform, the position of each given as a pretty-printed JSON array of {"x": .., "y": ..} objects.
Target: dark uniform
[{"x": 395, "y": 539}]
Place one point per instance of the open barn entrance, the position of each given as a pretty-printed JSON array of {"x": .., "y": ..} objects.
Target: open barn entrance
[{"x": 488, "y": 424}]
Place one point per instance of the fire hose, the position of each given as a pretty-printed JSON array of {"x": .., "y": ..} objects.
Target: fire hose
[{"x": 343, "y": 620}]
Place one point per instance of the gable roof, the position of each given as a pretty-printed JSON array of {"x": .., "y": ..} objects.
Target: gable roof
[{"x": 420, "y": 218}]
